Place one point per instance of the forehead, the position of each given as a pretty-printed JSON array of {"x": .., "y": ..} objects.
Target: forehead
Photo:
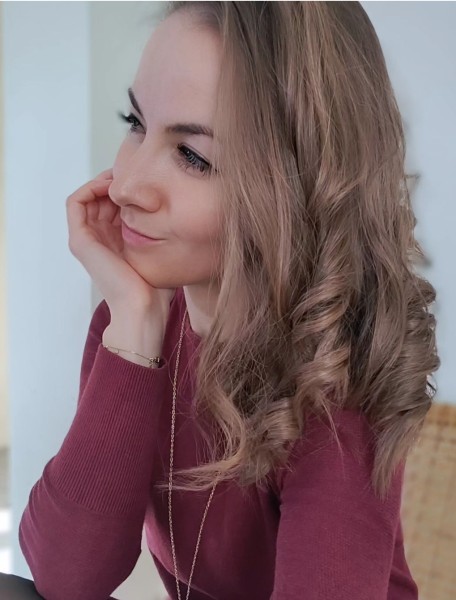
[{"x": 179, "y": 70}]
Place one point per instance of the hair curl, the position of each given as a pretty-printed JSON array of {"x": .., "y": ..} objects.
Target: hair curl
[{"x": 319, "y": 305}]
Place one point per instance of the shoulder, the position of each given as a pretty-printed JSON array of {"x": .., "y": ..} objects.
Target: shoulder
[
  {"x": 353, "y": 431},
  {"x": 339, "y": 466}
]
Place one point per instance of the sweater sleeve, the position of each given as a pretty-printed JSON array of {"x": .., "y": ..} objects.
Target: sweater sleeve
[
  {"x": 336, "y": 539},
  {"x": 81, "y": 529}
]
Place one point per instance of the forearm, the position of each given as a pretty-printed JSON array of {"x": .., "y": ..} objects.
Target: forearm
[{"x": 81, "y": 530}]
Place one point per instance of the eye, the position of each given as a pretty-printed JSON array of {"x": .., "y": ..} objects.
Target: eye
[
  {"x": 187, "y": 159},
  {"x": 135, "y": 124},
  {"x": 193, "y": 161}
]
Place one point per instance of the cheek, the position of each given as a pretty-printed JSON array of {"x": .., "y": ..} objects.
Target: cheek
[{"x": 199, "y": 226}]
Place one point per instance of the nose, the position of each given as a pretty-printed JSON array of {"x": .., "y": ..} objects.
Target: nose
[{"x": 135, "y": 181}]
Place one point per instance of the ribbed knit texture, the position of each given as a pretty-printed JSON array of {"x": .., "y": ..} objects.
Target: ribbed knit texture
[{"x": 319, "y": 533}]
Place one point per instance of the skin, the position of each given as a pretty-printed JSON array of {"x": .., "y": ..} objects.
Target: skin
[{"x": 158, "y": 192}]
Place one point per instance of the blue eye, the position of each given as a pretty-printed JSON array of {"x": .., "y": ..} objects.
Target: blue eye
[
  {"x": 135, "y": 124},
  {"x": 190, "y": 159},
  {"x": 193, "y": 161}
]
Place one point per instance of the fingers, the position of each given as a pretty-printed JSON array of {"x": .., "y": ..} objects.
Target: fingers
[
  {"x": 81, "y": 201},
  {"x": 85, "y": 195},
  {"x": 93, "y": 210},
  {"x": 106, "y": 174},
  {"x": 108, "y": 210},
  {"x": 90, "y": 203},
  {"x": 89, "y": 191},
  {"x": 92, "y": 189}
]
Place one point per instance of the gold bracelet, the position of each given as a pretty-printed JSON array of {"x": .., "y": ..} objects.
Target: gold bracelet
[{"x": 155, "y": 359}]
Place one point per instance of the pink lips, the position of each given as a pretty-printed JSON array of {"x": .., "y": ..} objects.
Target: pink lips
[{"x": 137, "y": 239}]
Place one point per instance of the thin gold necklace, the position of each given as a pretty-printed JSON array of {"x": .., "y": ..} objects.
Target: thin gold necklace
[{"x": 171, "y": 456}]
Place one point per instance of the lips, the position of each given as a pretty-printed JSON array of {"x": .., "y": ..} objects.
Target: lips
[{"x": 139, "y": 232}]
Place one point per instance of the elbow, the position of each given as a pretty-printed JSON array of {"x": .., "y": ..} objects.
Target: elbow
[{"x": 75, "y": 572}]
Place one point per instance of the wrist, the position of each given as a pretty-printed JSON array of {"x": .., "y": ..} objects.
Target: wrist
[
  {"x": 153, "y": 362},
  {"x": 134, "y": 335}
]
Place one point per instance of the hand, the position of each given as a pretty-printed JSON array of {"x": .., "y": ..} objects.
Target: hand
[{"x": 95, "y": 239}]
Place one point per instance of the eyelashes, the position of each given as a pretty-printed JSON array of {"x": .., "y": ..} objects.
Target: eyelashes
[{"x": 187, "y": 159}]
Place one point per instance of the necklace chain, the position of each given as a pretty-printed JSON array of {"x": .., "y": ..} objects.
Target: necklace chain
[{"x": 171, "y": 459}]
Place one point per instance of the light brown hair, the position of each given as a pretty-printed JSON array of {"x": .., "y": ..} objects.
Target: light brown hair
[{"x": 320, "y": 305}]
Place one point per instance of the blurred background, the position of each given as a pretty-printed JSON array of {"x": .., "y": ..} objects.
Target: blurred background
[{"x": 64, "y": 72}]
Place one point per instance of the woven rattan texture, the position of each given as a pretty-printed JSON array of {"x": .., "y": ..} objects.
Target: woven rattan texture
[{"x": 429, "y": 506}]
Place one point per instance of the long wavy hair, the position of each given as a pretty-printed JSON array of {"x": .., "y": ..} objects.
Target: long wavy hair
[{"x": 319, "y": 305}]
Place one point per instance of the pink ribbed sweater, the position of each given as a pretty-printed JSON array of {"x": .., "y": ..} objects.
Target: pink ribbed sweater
[{"x": 318, "y": 533}]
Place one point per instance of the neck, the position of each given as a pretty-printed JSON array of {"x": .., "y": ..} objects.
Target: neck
[{"x": 201, "y": 303}]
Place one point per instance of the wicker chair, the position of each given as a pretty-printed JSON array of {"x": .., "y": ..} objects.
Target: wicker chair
[{"x": 429, "y": 506}]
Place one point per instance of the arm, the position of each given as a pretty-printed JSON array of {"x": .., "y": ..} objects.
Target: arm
[
  {"x": 81, "y": 529},
  {"x": 336, "y": 539}
]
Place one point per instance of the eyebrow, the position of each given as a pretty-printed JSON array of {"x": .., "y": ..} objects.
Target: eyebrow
[{"x": 179, "y": 128}]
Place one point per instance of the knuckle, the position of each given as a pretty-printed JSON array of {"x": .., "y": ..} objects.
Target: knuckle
[{"x": 72, "y": 249}]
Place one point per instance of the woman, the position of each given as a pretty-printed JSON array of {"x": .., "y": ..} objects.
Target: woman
[{"x": 256, "y": 375}]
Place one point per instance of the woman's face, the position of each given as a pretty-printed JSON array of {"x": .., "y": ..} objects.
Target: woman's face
[{"x": 155, "y": 184}]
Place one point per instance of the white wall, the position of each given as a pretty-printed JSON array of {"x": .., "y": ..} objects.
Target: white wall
[
  {"x": 419, "y": 43},
  {"x": 60, "y": 98},
  {"x": 4, "y": 406},
  {"x": 47, "y": 138},
  {"x": 61, "y": 128}
]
